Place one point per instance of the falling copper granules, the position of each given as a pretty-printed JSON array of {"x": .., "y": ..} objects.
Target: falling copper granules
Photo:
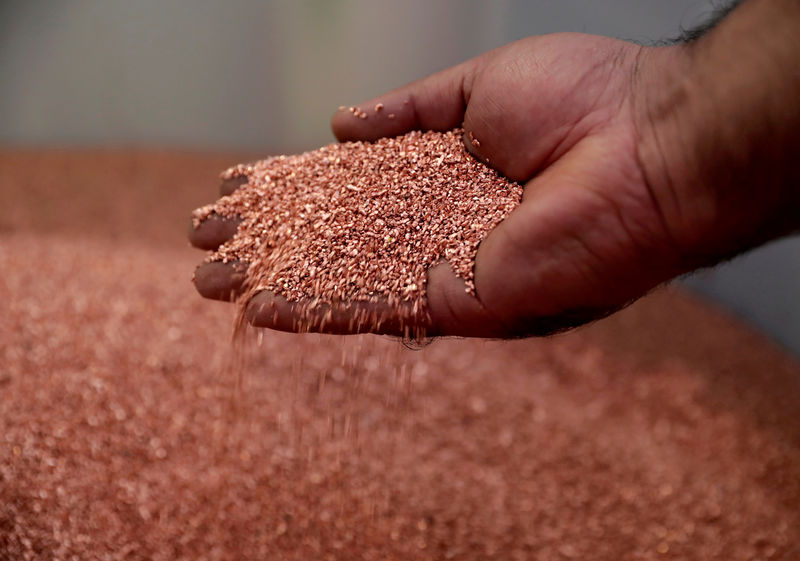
[
  {"x": 666, "y": 432},
  {"x": 354, "y": 221}
]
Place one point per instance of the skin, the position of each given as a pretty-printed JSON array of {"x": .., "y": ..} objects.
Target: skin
[{"x": 639, "y": 164}]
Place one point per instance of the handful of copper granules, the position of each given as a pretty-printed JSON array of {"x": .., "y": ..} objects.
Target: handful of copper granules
[{"x": 359, "y": 220}]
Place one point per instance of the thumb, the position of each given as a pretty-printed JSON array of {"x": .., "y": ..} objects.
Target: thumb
[
  {"x": 437, "y": 102},
  {"x": 585, "y": 241}
]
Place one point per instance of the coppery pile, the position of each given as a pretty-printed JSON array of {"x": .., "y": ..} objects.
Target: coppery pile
[
  {"x": 352, "y": 221},
  {"x": 126, "y": 432}
]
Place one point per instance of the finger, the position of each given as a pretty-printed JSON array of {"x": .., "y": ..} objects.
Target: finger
[
  {"x": 451, "y": 311},
  {"x": 436, "y": 103},
  {"x": 220, "y": 281},
  {"x": 454, "y": 311},
  {"x": 228, "y": 186},
  {"x": 266, "y": 309},
  {"x": 213, "y": 231}
]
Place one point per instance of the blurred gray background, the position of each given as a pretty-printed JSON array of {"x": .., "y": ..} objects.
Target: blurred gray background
[{"x": 266, "y": 75}]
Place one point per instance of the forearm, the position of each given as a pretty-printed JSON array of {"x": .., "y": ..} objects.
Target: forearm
[{"x": 720, "y": 130}]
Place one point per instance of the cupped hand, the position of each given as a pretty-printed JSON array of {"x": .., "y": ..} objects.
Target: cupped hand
[{"x": 561, "y": 114}]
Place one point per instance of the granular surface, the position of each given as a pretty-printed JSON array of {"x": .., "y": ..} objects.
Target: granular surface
[
  {"x": 666, "y": 432},
  {"x": 354, "y": 221}
]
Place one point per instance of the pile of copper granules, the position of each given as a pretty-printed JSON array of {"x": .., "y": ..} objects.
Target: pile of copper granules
[
  {"x": 667, "y": 431},
  {"x": 352, "y": 221}
]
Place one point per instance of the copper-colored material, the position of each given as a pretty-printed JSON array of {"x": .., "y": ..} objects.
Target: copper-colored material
[
  {"x": 352, "y": 221},
  {"x": 664, "y": 432}
]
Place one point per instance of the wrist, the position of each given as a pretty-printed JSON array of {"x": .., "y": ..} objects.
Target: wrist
[
  {"x": 718, "y": 131},
  {"x": 662, "y": 100}
]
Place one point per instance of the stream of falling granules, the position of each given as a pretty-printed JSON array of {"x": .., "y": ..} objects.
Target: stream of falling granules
[{"x": 354, "y": 221}]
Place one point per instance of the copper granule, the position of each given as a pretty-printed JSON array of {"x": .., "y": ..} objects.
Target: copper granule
[
  {"x": 666, "y": 432},
  {"x": 354, "y": 221},
  {"x": 357, "y": 112}
]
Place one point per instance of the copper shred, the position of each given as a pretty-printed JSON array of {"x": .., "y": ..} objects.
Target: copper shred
[{"x": 666, "y": 432}]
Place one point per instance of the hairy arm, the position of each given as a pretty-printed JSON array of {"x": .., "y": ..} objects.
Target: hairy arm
[
  {"x": 720, "y": 131},
  {"x": 720, "y": 13}
]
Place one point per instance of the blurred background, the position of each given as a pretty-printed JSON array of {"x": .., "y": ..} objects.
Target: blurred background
[{"x": 265, "y": 76}]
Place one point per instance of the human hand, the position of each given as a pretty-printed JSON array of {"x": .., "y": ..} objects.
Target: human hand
[
  {"x": 555, "y": 112},
  {"x": 608, "y": 213}
]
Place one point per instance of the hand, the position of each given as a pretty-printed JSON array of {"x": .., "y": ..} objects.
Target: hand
[
  {"x": 608, "y": 213},
  {"x": 556, "y": 113}
]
